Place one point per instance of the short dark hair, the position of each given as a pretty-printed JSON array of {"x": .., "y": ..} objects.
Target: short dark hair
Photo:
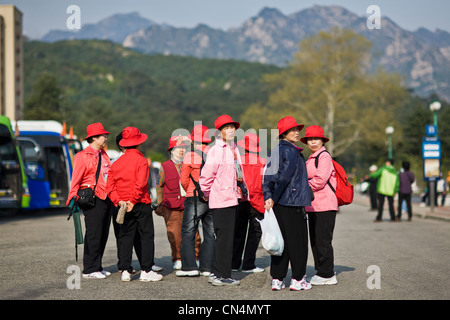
[
  {"x": 118, "y": 138},
  {"x": 405, "y": 165}
]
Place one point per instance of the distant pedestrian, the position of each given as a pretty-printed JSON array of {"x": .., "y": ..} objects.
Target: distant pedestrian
[
  {"x": 223, "y": 183},
  {"x": 152, "y": 179},
  {"x": 171, "y": 197},
  {"x": 405, "y": 190},
  {"x": 286, "y": 190},
  {"x": 128, "y": 184},
  {"x": 387, "y": 187},
  {"x": 372, "y": 189},
  {"x": 97, "y": 219},
  {"x": 324, "y": 207},
  {"x": 247, "y": 231},
  {"x": 441, "y": 189}
]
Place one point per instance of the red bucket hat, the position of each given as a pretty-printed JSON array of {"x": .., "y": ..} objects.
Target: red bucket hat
[
  {"x": 132, "y": 137},
  {"x": 223, "y": 120},
  {"x": 95, "y": 129},
  {"x": 200, "y": 134},
  {"x": 287, "y": 123},
  {"x": 314, "y": 132},
  {"x": 250, "y": 142},
  {"x": 176, "y": 142}
]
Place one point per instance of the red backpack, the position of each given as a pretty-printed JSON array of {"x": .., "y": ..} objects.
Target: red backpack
[{"x": 344, "y": 190}]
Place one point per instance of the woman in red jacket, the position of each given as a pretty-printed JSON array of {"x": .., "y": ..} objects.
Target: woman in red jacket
[
  {"x": 97, "y": 219},
  {"x": 249, "y": 211},
  {"x": 128, "y": 183}
]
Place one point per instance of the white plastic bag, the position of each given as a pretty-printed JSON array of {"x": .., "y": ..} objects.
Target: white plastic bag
[{"x": 271, "y": 239}]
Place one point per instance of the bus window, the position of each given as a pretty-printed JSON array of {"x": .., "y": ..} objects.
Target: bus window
[{"x": 31, "y": 156}]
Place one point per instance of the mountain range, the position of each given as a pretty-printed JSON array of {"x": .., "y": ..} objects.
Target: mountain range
[{"x": 271, "y": 37}]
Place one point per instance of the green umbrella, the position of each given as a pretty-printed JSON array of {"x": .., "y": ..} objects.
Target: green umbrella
[{"x": 75, "y": 212}]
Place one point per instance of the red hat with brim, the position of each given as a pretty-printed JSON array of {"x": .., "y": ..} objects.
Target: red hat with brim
[
  {"x": 250, "y": 142},
  {"x": 200, "y": 134},
  {"x": 175, "y": 141},
  {"x": 223, "y": 120},
  {"x": 131, "y": 136},
  {"x": 314, "y": 132},
  {"x": 95, "y": 129},
  {"x": 287, "y": 123}
]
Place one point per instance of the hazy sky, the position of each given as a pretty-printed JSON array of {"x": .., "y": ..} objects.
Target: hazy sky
[{"x": 40, "y": 16}]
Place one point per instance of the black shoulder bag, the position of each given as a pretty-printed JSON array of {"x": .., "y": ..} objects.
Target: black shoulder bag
[{"x": 86, "y": 196}]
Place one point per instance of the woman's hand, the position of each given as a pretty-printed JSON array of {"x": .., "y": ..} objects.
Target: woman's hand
[
  {"x": 268, "y": 204},
  {"x": 130, "y": 206}
]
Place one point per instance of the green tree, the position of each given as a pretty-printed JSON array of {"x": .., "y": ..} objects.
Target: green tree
[
  {"x": 329, "y": 84},
  {"x": 47, "y": 100}
]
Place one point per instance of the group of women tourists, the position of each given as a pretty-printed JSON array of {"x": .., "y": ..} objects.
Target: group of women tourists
[{"x": 215, "y": 185}]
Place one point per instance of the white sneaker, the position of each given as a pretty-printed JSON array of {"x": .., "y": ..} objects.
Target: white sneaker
[
  {"x": 150, "y": 276},
  {"x": 205, "y": 273},
  {"x": 177, "y": 265},
  {"x": 255, "y": 270},
  {"x": 277, "y": 285},
  {"x": 94, "y": 275},
  {"x": 211, "y": 277},
  {"x": 126, "y": 276},
  {"x": 319, "y": 281},
  {"x": 297, "y": 285},
  {"x": 225, "y": 282},
  {"x": 190, "y": 273}
]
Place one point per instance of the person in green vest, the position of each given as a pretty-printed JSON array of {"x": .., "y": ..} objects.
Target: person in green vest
[{"x": 387, "y": 186}]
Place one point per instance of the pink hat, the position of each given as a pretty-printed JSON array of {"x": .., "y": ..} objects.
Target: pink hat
[
  {"x": 250, "y": 142},
  {"x": 132, "y": 137},
  {"x": 200, "y": 134},
  {"x": 95, "y": 129},
  {"x": 314, "y": 132},
  {"x": 287, "y": 123},
  {"x": 176, "y": 142}
]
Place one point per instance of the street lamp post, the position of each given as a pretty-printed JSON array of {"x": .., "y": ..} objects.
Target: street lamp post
[
  {"x": 389, "y": 132},
  {"x": 434, "y": 107}
]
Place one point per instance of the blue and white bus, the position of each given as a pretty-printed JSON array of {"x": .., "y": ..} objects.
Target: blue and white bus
[{"x": 48, "y": 157}]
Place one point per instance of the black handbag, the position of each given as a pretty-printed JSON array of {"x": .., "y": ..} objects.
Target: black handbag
[{"x": 86, "y": 196}]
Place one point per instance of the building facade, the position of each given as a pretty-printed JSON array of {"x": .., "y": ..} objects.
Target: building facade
[{"x": 11, "y": 62}]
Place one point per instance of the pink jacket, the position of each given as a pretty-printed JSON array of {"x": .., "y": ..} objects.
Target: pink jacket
[
  {"x": 218, "y": 177},
  {"x": 84, "y": 170},
  {"x": 324, "y": 197}
]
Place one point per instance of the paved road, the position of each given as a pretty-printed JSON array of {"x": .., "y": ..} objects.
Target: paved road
[{"x": 373, "y": 261}]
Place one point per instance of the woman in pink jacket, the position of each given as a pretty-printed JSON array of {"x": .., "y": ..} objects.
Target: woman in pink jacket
[
  {"x": 323, "y": 209},
  {"x": 222, "y": 183}
]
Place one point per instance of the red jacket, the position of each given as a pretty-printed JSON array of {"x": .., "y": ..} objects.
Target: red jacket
[
  {"x": 253, "y": 166},
  {"x": 128, "y": 178},
  {"x": 191, "y": 166},
  {"x": 84, "y": 170}
]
